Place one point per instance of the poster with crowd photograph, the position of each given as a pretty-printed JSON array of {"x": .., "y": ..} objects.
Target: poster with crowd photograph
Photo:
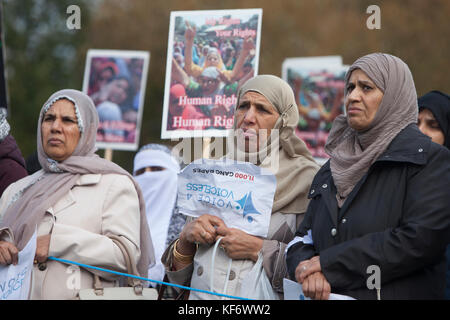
[
  {"x": 3, "y": 91},
  {"x": 116, "y": 80},
  {"x": 210, "y": 55},
  {"x": 318, "y": 84}
]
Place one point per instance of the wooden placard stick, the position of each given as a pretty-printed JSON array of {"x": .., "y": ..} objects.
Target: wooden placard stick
[
  {"x": 206, "y": 147},
  {"x": 108, "y": 154}
]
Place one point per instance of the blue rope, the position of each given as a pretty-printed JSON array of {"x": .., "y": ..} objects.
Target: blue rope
[{"x": 145, "y": 279}]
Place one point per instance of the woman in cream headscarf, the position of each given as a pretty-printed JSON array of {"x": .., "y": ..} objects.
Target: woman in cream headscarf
[
  {"x": 379, "y": 220},
  {"x": 76, "y": 202},
  {"x": 265, "y": 119}
]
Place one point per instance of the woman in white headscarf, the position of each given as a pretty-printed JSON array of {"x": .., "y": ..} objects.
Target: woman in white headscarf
[
  {"x": 156, "y": 172},
  {"x": 379, "y": 220},
  {"x": 265, "y": 119},
  {"x": 77, "y": 202}
]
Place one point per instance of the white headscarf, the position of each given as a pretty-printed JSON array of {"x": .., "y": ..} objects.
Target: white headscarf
[{"x": 160, "y": 192}]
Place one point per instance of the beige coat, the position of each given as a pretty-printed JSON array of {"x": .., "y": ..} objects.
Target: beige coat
[
  {"x": 96, "y": 206},
  {"x": 197, "y": 275}
]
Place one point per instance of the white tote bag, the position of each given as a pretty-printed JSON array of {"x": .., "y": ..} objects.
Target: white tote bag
[{"x": 256, "y": 284}]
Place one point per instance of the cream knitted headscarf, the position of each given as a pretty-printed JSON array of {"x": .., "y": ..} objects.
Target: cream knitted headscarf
[{"x": 295, "y": 167}]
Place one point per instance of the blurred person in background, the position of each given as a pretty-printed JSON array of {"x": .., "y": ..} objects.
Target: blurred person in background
[
  {"x": 434, "y": 117},
  {"x": 12, "y": 164},
  {"x": 156, "y": 171},
  {"x": 434, "y": 121}
]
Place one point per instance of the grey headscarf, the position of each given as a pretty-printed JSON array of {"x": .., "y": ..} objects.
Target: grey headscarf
[
  {"x": 22, "y": 216},
  {"x": 296, "y": 166},
  {"x": 4, "y": 125},
  {"x": 352, "y": 152}
]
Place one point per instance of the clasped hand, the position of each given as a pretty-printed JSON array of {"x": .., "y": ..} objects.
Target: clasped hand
[
  {"x": 314, "y": 284},
  {"x": 236, "y": 243}
]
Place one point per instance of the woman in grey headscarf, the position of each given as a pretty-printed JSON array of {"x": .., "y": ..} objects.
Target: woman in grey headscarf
[
  {"x": 265, "y": 119},
  {"x": 76, "y": 203},
  {"x": 379, "y": 220},
  {"x": 12, "y": 164}
]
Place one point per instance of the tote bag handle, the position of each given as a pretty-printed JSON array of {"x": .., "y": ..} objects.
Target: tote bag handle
[{"x": 213, "y": 260}]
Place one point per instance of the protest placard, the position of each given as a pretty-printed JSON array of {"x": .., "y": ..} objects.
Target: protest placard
[
  {"x": 15, "y": 280},
  {"x": 210, "y": 55},
  {"x": 318, "y": 85},
  {"x": 318, "y": 61},
  {"x": 239, "y": 193},
  {"x": 116, "y": 80}
]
